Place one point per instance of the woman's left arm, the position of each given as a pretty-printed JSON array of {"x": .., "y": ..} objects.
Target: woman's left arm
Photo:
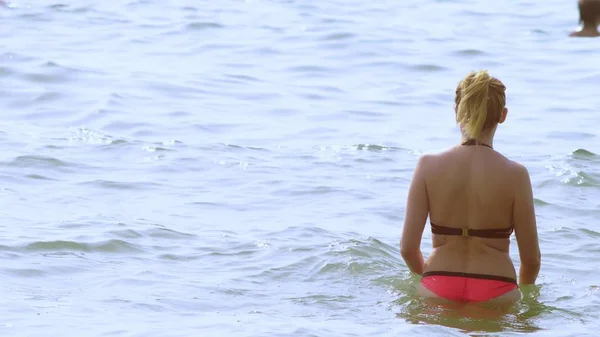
[{"x": 417, "y": 210}]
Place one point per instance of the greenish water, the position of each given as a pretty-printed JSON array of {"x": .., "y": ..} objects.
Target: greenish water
[{"x": 241, "y": 167}]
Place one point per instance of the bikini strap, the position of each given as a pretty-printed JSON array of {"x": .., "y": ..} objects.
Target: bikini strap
[
  {"x": 494, "y": 233},
  {"x": 471, "y": 142}
]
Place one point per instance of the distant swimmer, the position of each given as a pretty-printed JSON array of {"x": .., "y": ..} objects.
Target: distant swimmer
[{"x": 589, "y": 18}]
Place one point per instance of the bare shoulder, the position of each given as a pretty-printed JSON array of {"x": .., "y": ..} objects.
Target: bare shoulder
[
  {"x": 424, "y": 162},
  {"x": 514, "y": 167},
  {"x": 520, "y": 174},
  {"x": 431, "y": 162},
  {"x": 428, "y": 160},
  {"x": 518, "y": 168}
]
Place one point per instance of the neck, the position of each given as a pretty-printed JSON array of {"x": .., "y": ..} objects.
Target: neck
[{"x": 484, "y": 139}]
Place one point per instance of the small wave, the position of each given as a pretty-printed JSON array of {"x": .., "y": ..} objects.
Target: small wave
[
  {"x": 241, "y": 79},
  {"x": 52, "y": 73},
  {"x": 176, "y": 90},
  {"x": 292, "y": 234},
  {"x": 6, "y": 71},
  {"x": 137, "y": 128},
  {"x": 176, "y": 257},
  {"x": 228, "y": 146},
  {"x": 334, "y": 20},
  {"x": 203, "y": 26},
  {"x": 58, "y": 6},
  {"x": 24, "y": 272},
  {"x": 17, "y": 57},
  {"x": 214, "y": 127},
  {"x": 388, "y": 103},
  {"x": 110, "y": 246},
  {"x": 338, "y": 36},
  {"x": 571, "y": 135},
  {"x": 178, "y": 114},
  {"x": 308, "y": 190},
  {"x": 264, "y": 51},
  {"x": 245, "y": 248},
  {"x": 39, "y": 162},
  {"x": 590, "y": 233},
  {"x": 428, "y": 67},
  {"x": 126, "y": 234},
  {"x": 575, "y": 171},
  {"x": 581, "y": 179},
  {"x": 210, "y": 204},
  {"x": 118, "y": 142},
  {"x": 150, "y": 148},
  {"x": 583, "y": 154},
  {"x": 64, "y": 8},
  {"x": 540, "y": 31},
  {"x": 119, "y": 185},
  {"x": 166, "y": 233},
  {"x": 349, "y": 256},
  {"x": 374, "y": 147},
  {"x": 38, "y": 177},
  {"x": 314, "y": 97},
  {"x": 322, "y": 299},
  {"x": 365, "y": 113},
  {"x": 86, "y": 135},
  {"x": 470, "y": 52},
  {"x": 33, "y": 16},
  {"x": 382, "y": 64},
  {"x": 309, "y": 69},
  {"x": 48, "y": 97}
]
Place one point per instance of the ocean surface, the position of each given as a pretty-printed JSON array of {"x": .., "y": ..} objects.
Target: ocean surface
[{"x": 240, "y": 168}]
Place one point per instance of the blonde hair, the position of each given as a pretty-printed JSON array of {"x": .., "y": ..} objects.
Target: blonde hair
[{"x": 479, "y": 100}]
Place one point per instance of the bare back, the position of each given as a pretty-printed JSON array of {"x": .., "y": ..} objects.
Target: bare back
[{"x": 471, "y": 187}]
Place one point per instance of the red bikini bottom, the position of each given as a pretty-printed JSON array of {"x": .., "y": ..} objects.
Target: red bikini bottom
[{"x": 464, "y": 287}]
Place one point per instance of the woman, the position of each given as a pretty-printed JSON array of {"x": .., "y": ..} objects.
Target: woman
[{"x": 474, "y": 197}]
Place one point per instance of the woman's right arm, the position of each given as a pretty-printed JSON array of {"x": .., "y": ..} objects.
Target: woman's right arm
[
  {"x": 417, "y": 211},
  {"x": 526, "y": 228}
]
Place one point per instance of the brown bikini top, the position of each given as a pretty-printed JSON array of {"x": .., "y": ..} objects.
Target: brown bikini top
[{"x": 494, "y": 233}]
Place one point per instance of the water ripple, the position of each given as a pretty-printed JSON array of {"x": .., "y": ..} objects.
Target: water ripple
[
  {"x": 109, "y": 246},
  {"x": 203, "y": 25},
  {"x": 121, "y": 185},
  {"x": 39, "y": 162}
]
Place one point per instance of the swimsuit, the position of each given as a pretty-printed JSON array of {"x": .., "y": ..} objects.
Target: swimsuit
[{"x": 466, "y": 287}]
